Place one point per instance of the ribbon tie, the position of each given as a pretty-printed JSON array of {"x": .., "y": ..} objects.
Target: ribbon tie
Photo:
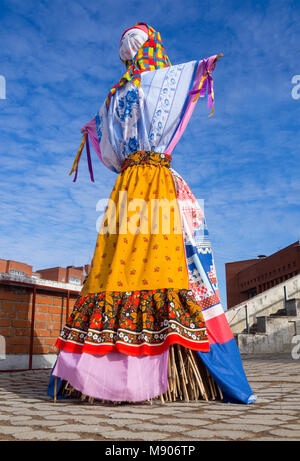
[
  {"x": 206, "y": 81},
  {"x": 85, "y": 141}
]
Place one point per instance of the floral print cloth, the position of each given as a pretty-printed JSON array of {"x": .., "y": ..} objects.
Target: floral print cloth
[{"x": 135, "y": 323}]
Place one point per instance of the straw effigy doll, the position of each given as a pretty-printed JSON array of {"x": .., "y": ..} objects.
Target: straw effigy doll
[{"x": 148, "y": 322}]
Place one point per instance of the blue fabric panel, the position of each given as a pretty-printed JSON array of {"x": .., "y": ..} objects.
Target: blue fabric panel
[{"x": 225, "y": 365}]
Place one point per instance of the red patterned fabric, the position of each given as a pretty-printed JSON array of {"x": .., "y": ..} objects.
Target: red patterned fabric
[
  {"x": 150, "y": 56},
  {"x": 134, "y": 323}
]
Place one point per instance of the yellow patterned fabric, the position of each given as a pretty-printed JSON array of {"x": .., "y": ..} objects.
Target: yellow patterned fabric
[{"x": 142, "y": 248}]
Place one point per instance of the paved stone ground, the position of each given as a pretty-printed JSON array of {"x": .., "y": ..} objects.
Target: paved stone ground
[{"x": 27, "y": 413}]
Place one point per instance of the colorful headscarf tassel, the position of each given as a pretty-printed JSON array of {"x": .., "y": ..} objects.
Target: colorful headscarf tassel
[
  {"x": 150, "y": 56},
  {"x": 85, "y": 141},
  {"x": 206, "y": 82}
]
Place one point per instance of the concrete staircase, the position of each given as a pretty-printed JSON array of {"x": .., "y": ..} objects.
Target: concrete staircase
[{"x": 272, "y": 333}]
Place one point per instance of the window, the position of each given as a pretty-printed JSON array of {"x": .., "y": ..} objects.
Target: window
[
  {"x": 75, "y": 280},
  {"x": 252, "y": 292},
  {"x": 15, "y": 272}
]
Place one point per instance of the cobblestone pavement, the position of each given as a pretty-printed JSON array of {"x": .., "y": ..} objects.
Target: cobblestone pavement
[{"x": 27, "y": 413}]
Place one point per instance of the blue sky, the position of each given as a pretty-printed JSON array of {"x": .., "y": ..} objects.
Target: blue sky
[{"x": 59, "y": 60}]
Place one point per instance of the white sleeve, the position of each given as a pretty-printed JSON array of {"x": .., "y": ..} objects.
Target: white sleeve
[{"x": 166, "y": 93}]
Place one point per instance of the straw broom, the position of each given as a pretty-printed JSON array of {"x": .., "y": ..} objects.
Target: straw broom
[
  {"x": 188, "y": 378},
  {"x": 55, "y": 388},
  {"x": 197, "y": 375},
  {"x": 173, "y": 367},
  {"x": 183, "y": 375}
]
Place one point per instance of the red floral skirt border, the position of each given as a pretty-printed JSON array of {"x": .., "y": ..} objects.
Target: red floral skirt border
[{"x": 135, "y": 323}]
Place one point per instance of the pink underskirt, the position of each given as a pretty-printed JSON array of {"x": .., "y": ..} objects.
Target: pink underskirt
[{"x": 114, "y": 376}]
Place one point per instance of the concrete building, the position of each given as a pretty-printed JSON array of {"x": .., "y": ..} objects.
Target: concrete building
[
  {"x": 270, "y": 321},
  {"x": 245, "y": 279}
]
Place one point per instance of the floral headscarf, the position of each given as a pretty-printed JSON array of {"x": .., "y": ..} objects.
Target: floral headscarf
[{"x": 150, "y": 56}]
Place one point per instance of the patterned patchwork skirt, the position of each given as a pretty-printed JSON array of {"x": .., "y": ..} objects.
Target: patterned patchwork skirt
[{"x": 144, "y": 291}]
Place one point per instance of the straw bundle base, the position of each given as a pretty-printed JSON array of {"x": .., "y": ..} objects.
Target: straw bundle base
[{"x": 188, "y": 378}]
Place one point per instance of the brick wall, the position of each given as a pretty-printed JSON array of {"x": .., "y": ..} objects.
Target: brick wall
[
  {"x": 243, "y": 280},
  {"x": 16, "y": 316},
  {"x": 232, "y": 285}
]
